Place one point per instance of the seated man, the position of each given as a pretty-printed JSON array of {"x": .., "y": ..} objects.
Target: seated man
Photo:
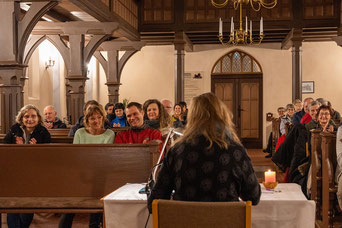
[
  {"x": 51, "y": 120},
  {"x": 139, "y": 133},
  {"x": 299, "y": 115}
]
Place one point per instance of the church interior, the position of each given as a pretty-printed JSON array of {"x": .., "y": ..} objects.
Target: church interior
[{"x": 254, "y": 56}]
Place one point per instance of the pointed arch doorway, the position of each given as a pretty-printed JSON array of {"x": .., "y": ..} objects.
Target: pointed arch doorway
[{"x": 236, "y": 79}]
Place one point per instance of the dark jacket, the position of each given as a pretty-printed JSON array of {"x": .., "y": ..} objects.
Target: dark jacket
[
  {"x": 58, "y": 124},
  {"x": 297, "y": 117},
  {"x": 40, "y": 133},
  {"x": 196, "y": 173},
  {"x": 292, "y": 154}
]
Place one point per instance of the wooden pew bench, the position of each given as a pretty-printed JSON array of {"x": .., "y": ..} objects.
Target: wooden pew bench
[
  {"x": 61, "y": 135},
  {"x": 316, "y": 170},
  {"x": 329, "y": 187},
  {"x": 69, "y": 178}
]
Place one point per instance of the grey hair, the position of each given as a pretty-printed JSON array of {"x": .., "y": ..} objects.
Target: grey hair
[
  {"x": 50, "y": 106},
  {"x": 314, "y": 103},
  {"x": 308, "y": 98},
  {"x": 25, "y": 109}
]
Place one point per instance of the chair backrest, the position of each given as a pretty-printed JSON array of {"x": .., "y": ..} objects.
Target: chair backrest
[{"x": 185, "y": 214}]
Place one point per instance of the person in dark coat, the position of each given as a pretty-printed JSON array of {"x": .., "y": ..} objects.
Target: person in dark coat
[
  {"x": 29, "y": 129},
  {"x": 208, "y": 163}
]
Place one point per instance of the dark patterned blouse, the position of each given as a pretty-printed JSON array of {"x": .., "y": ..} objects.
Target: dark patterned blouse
[{"x": 196, "y": 173}]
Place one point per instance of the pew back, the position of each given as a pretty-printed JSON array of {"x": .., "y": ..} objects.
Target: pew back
[
  {"x": 84, "y": 171},
  {"x": 316, "y": 171},
  {"x": 329, "y": 162}
]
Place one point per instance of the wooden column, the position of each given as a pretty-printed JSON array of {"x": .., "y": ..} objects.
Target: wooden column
[
  {"x": 76, "y": 77},
  {"x": 179, "y": 72},
  {"x": 11, "y": 97},
  {"x": 297, "y": 70},
  {"x": 113, "y": 66}
]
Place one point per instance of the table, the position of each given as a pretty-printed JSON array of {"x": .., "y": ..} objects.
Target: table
[{"x": 286, "y": 207}]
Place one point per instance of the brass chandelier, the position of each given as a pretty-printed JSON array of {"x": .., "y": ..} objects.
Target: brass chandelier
[{"x": 243, "y": 36}]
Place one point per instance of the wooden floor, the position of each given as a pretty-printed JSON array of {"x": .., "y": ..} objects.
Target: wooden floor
[{"x": 44, "y": 220}]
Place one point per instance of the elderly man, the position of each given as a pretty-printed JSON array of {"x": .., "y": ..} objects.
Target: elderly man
[
  {"x": 167, "y": 105},
  {"x": 139, "y": 132},
  {"x": 51, "y": 120}
]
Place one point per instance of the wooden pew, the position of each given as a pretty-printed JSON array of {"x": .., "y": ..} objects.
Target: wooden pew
[
  {"x": 329, "y": 188},
  {"x": 69, "y": 178},
  {"x": 316, "y": 171}
]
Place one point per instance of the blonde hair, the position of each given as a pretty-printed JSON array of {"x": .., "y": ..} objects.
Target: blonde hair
[
  {"x": 91, "y": 109},
  {"x": 25, "y": 109},
  {"x": 210, "y": 117}
]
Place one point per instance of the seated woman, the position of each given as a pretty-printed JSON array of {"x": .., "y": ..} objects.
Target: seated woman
[
  {"x": 155, "y": 115},
  {"x": 287, "y": 118},
  {"x": 208, "y": 163},
  {"x": 178, "y": 116},
  {"x": 322, "y": 120},
  {"x": 29, "y": 129},
  {"x": 94, "y": 132},
  {"x": 120, "y": 119}
]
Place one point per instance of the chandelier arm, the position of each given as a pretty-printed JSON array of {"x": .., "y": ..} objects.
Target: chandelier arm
[
  {"x": 267, "y": 5},
  {"x": 219, "y": 5},
  {"x": 253, "y": 7}
]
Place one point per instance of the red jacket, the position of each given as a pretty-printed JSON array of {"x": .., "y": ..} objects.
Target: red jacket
[
  {"x": 306, "y": 119},
  {"x": 137, "y": 136}
]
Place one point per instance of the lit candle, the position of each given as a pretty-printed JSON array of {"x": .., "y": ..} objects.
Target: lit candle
[
  {"x": 270, "y": 176},
  {"x": 231, "y": 26},
  {"x": 220, "y": 27},
  {"x": 261, "y": 25},
  {"x": 246, "y": 25}
]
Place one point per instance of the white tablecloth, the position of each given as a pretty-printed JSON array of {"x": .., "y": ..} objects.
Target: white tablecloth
[{"x": 286, "y": 207}]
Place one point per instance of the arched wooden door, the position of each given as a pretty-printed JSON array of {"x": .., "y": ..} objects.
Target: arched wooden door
[{"x": 236, "y": 79}]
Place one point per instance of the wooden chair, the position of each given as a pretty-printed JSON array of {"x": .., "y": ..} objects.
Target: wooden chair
[
  {"x": 316, "y": 171},
  {"x": 185, "y": 214}
]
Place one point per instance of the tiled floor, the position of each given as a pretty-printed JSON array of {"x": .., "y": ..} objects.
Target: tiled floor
[{"x": 44, "y": 220}]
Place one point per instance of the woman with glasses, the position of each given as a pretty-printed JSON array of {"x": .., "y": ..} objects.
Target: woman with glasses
[
  {"x": 322, "y": 120},
  {"x": 29, "y": 129}
]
